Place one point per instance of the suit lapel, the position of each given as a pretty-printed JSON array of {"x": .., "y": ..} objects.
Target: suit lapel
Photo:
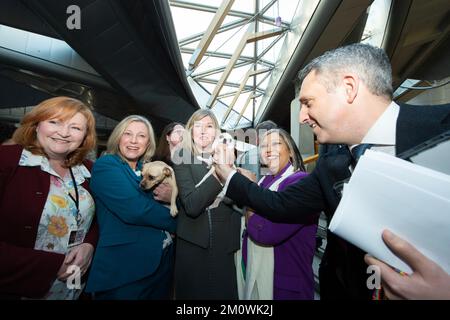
[
  {"x": 199, "y": 171},
  {"x": 338, "y": 162},
  {"x": 335, "y": 164}
]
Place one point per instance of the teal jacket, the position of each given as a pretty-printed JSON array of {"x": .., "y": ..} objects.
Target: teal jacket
[{"x": 131, "y": 225}]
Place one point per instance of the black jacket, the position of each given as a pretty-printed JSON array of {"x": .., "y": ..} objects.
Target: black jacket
[{"x": 193, "y": 222}]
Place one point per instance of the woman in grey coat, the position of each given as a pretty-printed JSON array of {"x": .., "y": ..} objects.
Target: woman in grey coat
[{"x": 208, "y": 234}]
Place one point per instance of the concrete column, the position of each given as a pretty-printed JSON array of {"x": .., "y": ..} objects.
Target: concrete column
[{"x": 303, "y": 135}]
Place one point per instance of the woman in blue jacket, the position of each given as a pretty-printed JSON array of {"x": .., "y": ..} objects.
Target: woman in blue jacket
[{"x": 134, "y": 256}]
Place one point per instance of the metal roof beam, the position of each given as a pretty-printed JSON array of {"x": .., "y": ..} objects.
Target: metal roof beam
[
  {"x": 237, "y": 52},
  {"x": 218, "y": 55},
  {"x": 226, "y": 84},
  {"x": 205, "y": 8},
  {"x": 219, "y": 69},
  {"x": 248, "y": 37},
  {"x": 268, "y": 20},
  {"x": 224, "y": 28},
  {"x": 261, "y": 35},
  {"x": 250, "y": 97},
  {"x": 229, "y": 94},
  {"x": 250, "y": 73},
  {"x": 217, "y": 20},
  {"x": 233, "y": 13},
  {"x": 262, "y": 80},
  {"x": 270, "y": 46},
  {"x": 264, "y": 62}
]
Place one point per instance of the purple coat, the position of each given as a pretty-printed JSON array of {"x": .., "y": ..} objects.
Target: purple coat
[{"x": 294, "y": 246}]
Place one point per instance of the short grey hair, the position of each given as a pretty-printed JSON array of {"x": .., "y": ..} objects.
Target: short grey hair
[
  {"x": 112, "y": 146},
  {"x": 370, "y": 63}
]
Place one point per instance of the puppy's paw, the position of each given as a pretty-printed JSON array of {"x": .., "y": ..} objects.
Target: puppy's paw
[{"x": 173, "y": 210}]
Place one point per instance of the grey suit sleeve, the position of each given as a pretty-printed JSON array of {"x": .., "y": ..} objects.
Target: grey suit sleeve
[{"x": 195, "y": 200}]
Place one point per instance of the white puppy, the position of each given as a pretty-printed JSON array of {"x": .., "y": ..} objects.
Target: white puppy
[{"x": 223, "y": 138}]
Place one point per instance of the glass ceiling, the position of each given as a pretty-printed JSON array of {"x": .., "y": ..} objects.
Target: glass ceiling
[
  {"x": 235, "y": 51},
  {"x": 234, "y": 74},
  {"x": 235, "y": 77}
]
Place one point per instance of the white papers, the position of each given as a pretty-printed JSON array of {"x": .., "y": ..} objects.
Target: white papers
[{"x": 386, "y": 192}]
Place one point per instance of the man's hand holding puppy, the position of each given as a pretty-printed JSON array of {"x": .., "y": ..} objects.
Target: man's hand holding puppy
[{"x": 223, "y": 161}]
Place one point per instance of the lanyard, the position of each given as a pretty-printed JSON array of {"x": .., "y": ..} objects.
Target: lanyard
[{"x": 77, "y": 198}]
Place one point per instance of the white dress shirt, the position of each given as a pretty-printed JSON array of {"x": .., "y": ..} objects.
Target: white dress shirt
[{"x": 382, "y": 132}]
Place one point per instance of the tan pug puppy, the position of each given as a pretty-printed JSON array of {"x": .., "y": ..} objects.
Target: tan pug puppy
[{"x": 156, "y": 172}]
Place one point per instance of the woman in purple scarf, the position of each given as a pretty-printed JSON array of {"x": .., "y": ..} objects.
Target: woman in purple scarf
[{"x": 276, "y": 257}]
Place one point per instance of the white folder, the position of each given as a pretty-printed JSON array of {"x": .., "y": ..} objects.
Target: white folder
[{"x": 412, "y": 201}]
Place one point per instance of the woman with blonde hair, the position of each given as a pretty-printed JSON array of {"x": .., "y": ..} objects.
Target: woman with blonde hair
[
  {"x": 207, "y": 235},
  {"x": 134, "y": 257},
  {"x": 46, "y": 207}
]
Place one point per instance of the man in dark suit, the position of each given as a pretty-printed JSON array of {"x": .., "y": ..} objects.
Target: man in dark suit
[{"x": 346, "y": 98}]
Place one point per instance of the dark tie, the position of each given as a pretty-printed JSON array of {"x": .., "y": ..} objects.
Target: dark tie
[{"x": 358, "y": 151}]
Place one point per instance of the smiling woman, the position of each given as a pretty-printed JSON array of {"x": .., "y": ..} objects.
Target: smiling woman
[
  {"x": 134, "y": 259},
  {"x": 207, "y": 233},
  {"x": 45, "y": 205},
  {"x": 58, "y": 121},
  {"x": 58, "y": 138},
  {"x": 277, "y": 258},
  {"x": 133, "y": 142}
]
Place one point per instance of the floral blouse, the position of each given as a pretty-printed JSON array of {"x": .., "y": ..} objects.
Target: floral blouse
[{"x": 59, "y": 216}]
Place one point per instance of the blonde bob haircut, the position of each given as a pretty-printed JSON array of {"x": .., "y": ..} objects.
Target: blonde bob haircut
[
  {"x": 62, "y": 109},
  {"x": 188, "y": 140},
  {"x": 112, "y": 146}
]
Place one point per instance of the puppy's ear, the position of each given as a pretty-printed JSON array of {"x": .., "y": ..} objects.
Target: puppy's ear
[{"x": 167, "y": 172}]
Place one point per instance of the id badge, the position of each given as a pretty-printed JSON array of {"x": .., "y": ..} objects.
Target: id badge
[{"x": 76, "y": 237}]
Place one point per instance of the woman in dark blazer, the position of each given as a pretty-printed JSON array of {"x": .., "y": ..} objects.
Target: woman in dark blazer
[
  {"x": 134, "y": 257},
  {"x": 46, "y": 209},
  {"x": 207, "y": 236}
]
